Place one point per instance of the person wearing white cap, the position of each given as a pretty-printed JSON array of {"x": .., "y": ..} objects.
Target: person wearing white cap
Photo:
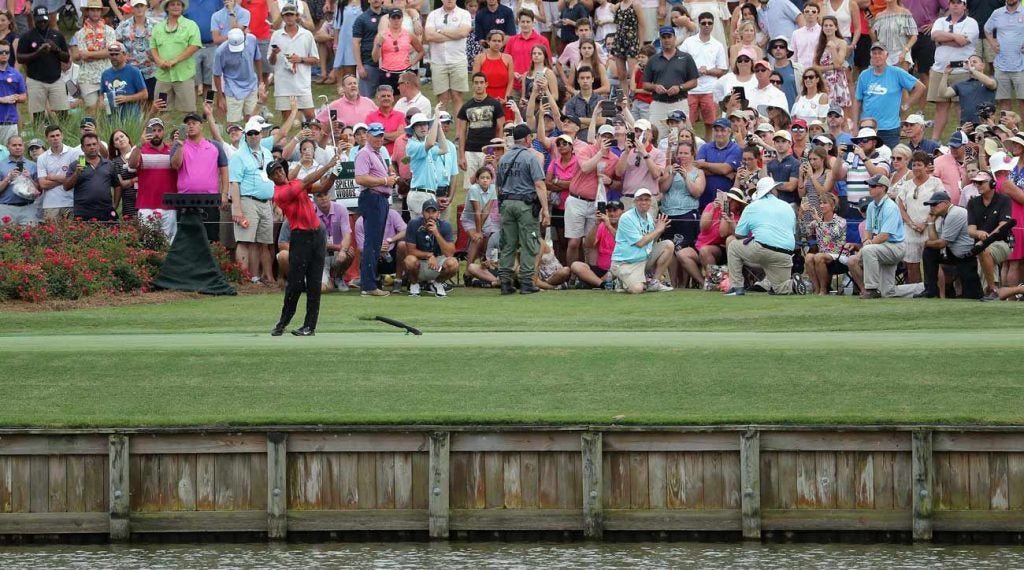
[
  {"x": 785, "y": 168},
  {"x": 426, "y": 145},
  {"x": 913, "y": 131},
  {"x": 868, "y": 157},
  {"x": 875, "y": 266},
  {"x": 765, "y": 239},
  {"x": 172, "y": 45},
  {"x": 987, "y": 214},
  {"x": 642, "y": 164},
  {"x": 237, "y": 68},
  {"x": 251, "y": 191},
  {"x": 640, "y": 256}
]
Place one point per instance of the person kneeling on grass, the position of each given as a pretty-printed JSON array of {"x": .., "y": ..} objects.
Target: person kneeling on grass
[
  {"x": 602, "y": 241},
  {"x": 950, "y": 247},
  {"x": 765, "y": 235},
  {"x": 308, "y": 243},
  {"x": 637, "y": 262},
  {"x": 431, "y": 251}
]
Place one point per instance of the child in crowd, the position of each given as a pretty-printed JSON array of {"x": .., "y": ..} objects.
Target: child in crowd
[
  {"x": 480, "y": 218},
  {"x": 642, "y": 98}
]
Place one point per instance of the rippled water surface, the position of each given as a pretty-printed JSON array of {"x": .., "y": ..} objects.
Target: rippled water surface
[{"x": 511, "y": 556}]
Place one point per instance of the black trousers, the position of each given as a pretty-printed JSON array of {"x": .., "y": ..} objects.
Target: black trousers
[
  {"x": 966, "y": 269},
  {"x": 306, "y": 252}
]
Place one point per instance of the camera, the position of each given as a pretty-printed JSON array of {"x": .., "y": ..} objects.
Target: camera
[{"x": 986, "y": 111}]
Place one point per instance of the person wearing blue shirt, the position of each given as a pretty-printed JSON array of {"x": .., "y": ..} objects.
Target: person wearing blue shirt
[
  {"x": 875, "y": 266},
  {"x": 237, "y": 68},
  {"x": 1004, "y": 32},
  {"x": 719, "y": 160},
  {"x": 122, "y": 84},
  {"x": 640, "y": 255},
  {"x": 232, "y": 15},
  {"x": 879, "y": 92},
  {"x": 765, "y": 238},
  {"x": 251, "y": 191},
  {"x": 19, "y": 209},
  {"x": 446, "y": 165},
  {"x": 13, "y": 90},
  {"x": 780, "y": 18},
  {"x": 426, "y": 144},
  {"x": 201, "y": 12}
]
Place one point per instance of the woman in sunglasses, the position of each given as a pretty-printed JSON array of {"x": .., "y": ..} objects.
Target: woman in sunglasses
[{"x": 812, "y": 105}]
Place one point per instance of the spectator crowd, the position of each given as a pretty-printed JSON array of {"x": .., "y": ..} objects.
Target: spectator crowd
[{"x": 789, "y": 147}]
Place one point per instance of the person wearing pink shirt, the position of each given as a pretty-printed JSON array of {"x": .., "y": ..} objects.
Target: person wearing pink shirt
[
  {"x": 520, "y": 46},
  {"x": 642, "y": 163},
  {"x": 351, "y": 107},
  {"x": 805, "y": 38},
  {"x": 950, "y": 169}
]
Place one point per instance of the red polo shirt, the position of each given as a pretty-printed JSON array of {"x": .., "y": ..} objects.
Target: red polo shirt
[
  {"x": 519, "y": 48},
  {"x": 296, "y": 206},
  {"x": 393, "y": 121}
]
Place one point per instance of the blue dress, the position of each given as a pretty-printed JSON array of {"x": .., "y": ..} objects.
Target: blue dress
[{"x": 343, "y": 56}]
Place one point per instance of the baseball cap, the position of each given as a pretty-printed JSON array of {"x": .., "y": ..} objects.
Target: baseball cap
[
  {"x": 765, "y": 187},
  {"x": 573, "y": 118},
  {"x": 747, "y": 52},
  {"x": 938, "y": 198},
  {"x": 957, "y": 139},
  {"x": 375, "y": 130},
  {"x": 430, "y": 204},
  {"x": 722, "y": 123},
  {"x": 192, "y": 116},
  {"x": 275, "y": 165},
  {"x": 915, "y": 119},
  {"x": 234, "y": 126},
  {"x": 444, "y": 117},
  {"x": 666, "y": 31},
  {"x": 764, "y": 128},
  {"x": 982, "y": 176},
  {"x": 878, "y": 45},
  {"x": 521, "y": 131},
  {"x": 115, "y": 47},
  {"x": 139, "y": 3},
  {"x": 289, "y": 8},
  {"x": 799, "y": 123},
  {"x": 87, "y": 121},
  {"x": 564, "y": 137},
  {"x": 236, "y": 40},
  {"x": 816, "y": 123},
  {"x": 763, "y": 63},
  {"x": 256, "y": 123},
  {"x": 642, "y": 124},
  {"x": 40, "y": 13},
  {"x": 835, "y": 110},
  {"x": 606, "y": 130},
  {"x": 358, "y": 126},
  {"x": 822, "y": 139},
  {"x": 677, "y": 115},
  {"x": 879, "y": 180},
  {"x": 395, "y": 13},
  {"x": 36, "y": 143},
  {"x": 738, "y": 114},
  {"x": 642, "y": 192},
  {"x": 783, "y": 134},
  {"x": 154, "y": 122}
]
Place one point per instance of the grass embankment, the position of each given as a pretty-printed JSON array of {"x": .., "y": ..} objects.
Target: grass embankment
[{"x": 552, "y": 358}]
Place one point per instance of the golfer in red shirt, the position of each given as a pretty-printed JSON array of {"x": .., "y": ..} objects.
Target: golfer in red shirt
[{"x": 308, "y": 245}]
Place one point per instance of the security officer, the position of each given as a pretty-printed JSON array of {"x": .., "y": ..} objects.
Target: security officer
[{"x": 520, "y": 185}]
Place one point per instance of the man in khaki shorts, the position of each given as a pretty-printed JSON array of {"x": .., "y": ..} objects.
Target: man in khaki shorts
[
  {"x": 446, "y": 31},
  {"x": 251, "y": 192},
  {"x": 640, "y": 257},
  {"x": 172, "y": 45},
  {"x": 237, "y": 72},
  {"x": 42, "y": 50},
  {"x": 765, "y": 239},
  {"x": 987, "y": 213}
]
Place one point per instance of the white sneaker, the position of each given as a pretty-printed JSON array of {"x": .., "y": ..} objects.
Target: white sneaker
[
  {"x": 658, "y": 287},
  {"x": 439, "y": 290},
  {"x": 414, "y": 289},
  {"x": 340, "y": 285}
]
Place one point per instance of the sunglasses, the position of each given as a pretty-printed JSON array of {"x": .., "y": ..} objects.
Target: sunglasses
[
  {"x": 761, "y": 70},
  {"x": 779, "y": 46},
  {"x": 743, "y": 59},
  {"x": 252, "y": 133},
  {"x": 705, "y": 23},
  {"x": 798, "y": 129},
  {"x": 561, "y": 143},
  {"x": 775, "y": 82},
  {"x": 806, "y": 77},
  {"x": 8, "y": 52}
]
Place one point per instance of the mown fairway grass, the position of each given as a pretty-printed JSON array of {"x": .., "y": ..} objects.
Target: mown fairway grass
[{"x": 557, "y": 357}]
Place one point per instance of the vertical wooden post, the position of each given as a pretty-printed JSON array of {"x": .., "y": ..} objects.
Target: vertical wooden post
[
  {"x": 277, "y": 485},
  {"x": 750, "y": 484},
  {"x": 593, "y": 506},
  {"x": 439, "y": 484},
  {"x": 119, "y": 498},
  {"x": 922, "y": 475}
]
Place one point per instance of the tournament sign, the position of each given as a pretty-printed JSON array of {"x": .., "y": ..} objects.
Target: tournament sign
[{"x": 345, "y": 189}]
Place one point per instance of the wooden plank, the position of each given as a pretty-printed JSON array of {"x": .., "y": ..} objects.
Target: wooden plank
[
  {"x": 21, "y": 477},
  {"x": 941, "y": 483},
  {"x": 205, "y": 483},
  {"x": 864, "y": 475},
  {"x": 674, "y": 520},
  {"x": 57, "y": 489},
  {"x": 657, "y": 481},
  {"x": 882, "y": 464},
  {"x": 979, "y": 442},
  {"x": 517, "y": 519},
  {"x": 825, "y": 479},
  {"x": 494, "y": 482},
  {"x": 97, "y": 483},
  {"x": 385, "y": 480},
  {"x": 118, "y": 523},
  {"x": 639, "y": 488},
  {"x": 592, "y": 465},
  {"x": 5, "y": 484},
  {"x": 277, "y": 485},
  {"x": 199, "y": 521},
  {"x": 76, "y": 484},
  {"x": 769, "y": 477},
  {"x": 979, "y": 521},
  {"x": 366, "y": 478},
  {"x": 836, "y": 519},
  {"x": 475, "y": 481},
  {"x": 806, "y": 480},
  {"x": 835, "y": 441},
  {"x": 981, "y": 495},
  {"x": 348, "y": 481},
  {"x": 53, "y": 523},
  {"x": 667, "y": 441},
  {"x": 529, "y": 479},
  {"x": 358, "y": 520},
  {"x": 999, "y": 484},
  {"x": 167, "y": 474},
  {"x": 439, "y": 521},
  {"x": 186, "y": 484},
  {"x": 258, "y": 481},
  {"x": 619, "y": 497},
  {"x": 846, "y": 480},
  {"x": 199, "y": 443},
  {"x": 902, "y": 481},
  {"x": 714, "y": 492},
  {"x": 349, "y": 442},
  {"x": 731, "y": 480},
  {"x": 1015, "y": 466},
  {"x": 513, "y": 489},
  {"x": 403, "y": 481},
  {"x": 516, "y": 441},
  {"x": 420, "y": 480},
  {"x": 53, "y": 445},
  {"x": 923, "y": 481},
  {"x": 459, "y": 489},
  {"x": 568, "y": 480},
  {"x": 693, "y": 480},
  {"x": 226, "y": 488},
  {"x": 330, "y": 464},
  {"x": 751, "y": 484},
  {"x": 787, "y": 480},
  {"x": 548, "y": 489},
  {"x": 958, "y": 477},
  {"x": 39, "y": 491}
]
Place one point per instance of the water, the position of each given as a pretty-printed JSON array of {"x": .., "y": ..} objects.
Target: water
[{"x": 513, "y": 556}]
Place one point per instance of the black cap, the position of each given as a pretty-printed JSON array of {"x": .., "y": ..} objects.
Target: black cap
[
  {"x": 938, "y": 198},
  {"x": 276, "y": 165},
  {"x": 395, "y": 13},
  {"x": 87, "y": 121},
  {"x": 40, "y": 13},
  {"x": 574, "y": 119},
  {"x": 192, "y": 116},
  {"x": 520, "y": 132}
]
